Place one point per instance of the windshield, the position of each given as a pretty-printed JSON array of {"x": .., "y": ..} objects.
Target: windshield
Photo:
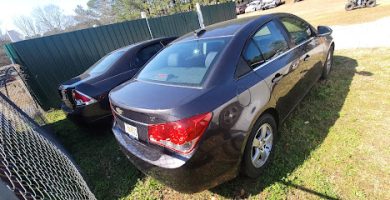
[
  {"x": 183, "y": 63},
  {"x": 105, "y": 63}
]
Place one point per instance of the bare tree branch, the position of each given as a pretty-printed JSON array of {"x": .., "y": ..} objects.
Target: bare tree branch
[
  {"x": 51, "y": 18},
  {"x": 27, "y": 26}
]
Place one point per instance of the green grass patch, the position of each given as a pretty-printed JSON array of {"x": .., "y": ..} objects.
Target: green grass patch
[{"x": 334, "y": 145}]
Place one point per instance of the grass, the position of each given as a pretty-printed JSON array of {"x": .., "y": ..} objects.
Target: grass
[
  {"x": 335, "y": 145},
  {"x": 329, "y": 12}
]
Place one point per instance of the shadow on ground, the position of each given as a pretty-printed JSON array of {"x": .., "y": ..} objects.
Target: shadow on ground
[
  {"x": 107, "y": 171},
  {"x": 303, "y": 132},
  {"x": 110, "y": 175}
]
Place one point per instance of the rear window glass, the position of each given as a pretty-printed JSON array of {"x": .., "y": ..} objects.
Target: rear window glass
[
  {"x": 183, "y": 63},
  {"x": 105, "y": 63}
]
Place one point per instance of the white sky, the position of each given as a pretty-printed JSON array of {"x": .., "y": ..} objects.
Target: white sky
[{"x": 9, "y": 9}]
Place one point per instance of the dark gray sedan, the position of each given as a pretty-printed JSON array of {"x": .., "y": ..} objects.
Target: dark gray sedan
[
  {"x": 211, "y": 102},
  {"x": 86, "y": 96}
]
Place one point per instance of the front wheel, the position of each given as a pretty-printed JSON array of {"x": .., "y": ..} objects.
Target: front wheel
[
  {"x": 328, "y": 64},
  {"x": 371, "y": 3},
  {"x": 349, "y": 6},
  {"x": 259, "y": 147}
]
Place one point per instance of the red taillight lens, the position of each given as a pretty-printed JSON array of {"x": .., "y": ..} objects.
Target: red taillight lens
[
  {"x": 82, "y": 99},
  {"x": 180, "y": 136}
]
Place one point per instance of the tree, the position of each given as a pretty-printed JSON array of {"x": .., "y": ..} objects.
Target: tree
[
  {"x": 128, "y": 9},
  {"x": 27, "y": 26},
  {"x": 3, "y": 57},
  {"x": 103, "y": 9},
  {"x": 50, "y": 18},
  {"x": 86, "y": 16},
  {"x": 131, "y": 9},
  {"x": 45, "y": 20}
]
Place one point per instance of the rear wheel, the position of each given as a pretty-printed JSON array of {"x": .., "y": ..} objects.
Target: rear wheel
[
  {"x": 371, "y": 3},
  {"x": 349, "y": 6},
  {"x": 328, "y": 64},
  {"x": 259, "y": 147}
]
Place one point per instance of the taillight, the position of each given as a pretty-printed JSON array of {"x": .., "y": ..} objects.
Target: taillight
[
  {"x": 180, "y": 136},
  {"x": 82, "y": 99}
]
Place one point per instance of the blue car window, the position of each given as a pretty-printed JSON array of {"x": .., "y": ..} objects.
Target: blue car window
[
  {"x": 183, "y": 63},
  {"x": 270, "y": 41},
  {"x": 252, "y": 55},
  {"x": 105, "y": 63},
  {"x": 144, "y": 55},
  {"x": 299, "y": 30}
]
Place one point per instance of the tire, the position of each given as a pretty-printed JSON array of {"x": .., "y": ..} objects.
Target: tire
[
  {"x": 371, "y": 3},
  {"x": 349, "y": 6},
  {"x": 265, "y": 124},
  {"x": 328, "y": 64}
]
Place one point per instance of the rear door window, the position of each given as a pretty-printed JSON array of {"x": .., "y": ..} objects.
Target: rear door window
[
  {"x": 299, "y": 30},
  {"x": 184, "y": 63},
  {"x": 252, "y": 55},
  {"x": 270, "y": 41},
  {"x": 267, "y": 43}
]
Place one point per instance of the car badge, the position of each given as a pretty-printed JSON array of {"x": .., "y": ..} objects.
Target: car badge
[
  {"x": 152, "y": 119},
  {"x": 119, "y": 111}
]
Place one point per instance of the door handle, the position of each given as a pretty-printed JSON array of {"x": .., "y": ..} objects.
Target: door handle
[
  {"x": 277, "y": 78},
  {"x": 306, "y": 58}
]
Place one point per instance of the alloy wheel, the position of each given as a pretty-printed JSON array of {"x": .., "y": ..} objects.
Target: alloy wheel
[
  {"x": 262, "y": 145},
  {"x": 329, "y": 62}
]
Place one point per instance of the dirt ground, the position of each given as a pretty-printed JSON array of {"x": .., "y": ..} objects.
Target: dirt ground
[{"x": 330, "y": 12}]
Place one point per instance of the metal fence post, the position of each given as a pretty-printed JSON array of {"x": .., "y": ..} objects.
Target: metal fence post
[
  {"x": 143, "y": 15},
  {"x": 200, "y": 15}
]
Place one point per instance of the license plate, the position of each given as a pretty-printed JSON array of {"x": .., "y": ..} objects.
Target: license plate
[{"x": 131, "y": 130}]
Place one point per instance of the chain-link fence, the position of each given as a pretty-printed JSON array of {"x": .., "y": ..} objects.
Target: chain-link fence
[
  {"x": 32, "y": 164},
  {"x": 13, "y": 86}
]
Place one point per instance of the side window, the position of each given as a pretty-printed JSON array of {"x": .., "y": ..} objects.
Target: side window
[
  {"x": 252, "y": 55},
  {"x": 242, "y": 68},
  {"x": 299, "y": 30},
  {"x": 145, "y": 54},
  {"x": 270, "y": 41}
]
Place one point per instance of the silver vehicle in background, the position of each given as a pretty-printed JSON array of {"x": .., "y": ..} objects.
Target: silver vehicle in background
[
  {"x": 266, "y": 4},
  {"x": 253, "y": 6}
]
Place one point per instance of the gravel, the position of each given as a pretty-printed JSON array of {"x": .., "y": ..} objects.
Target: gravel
[{"x": 365, "y": 35}]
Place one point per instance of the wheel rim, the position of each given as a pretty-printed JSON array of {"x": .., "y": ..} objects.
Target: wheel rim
[
  {"x": 262, "y": 145},
  {"x": 329, "y": 62},
  {"x": 370, "y": 4}
]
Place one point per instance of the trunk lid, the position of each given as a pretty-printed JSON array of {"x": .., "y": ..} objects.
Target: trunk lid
[{"x": 138, "y": 104}]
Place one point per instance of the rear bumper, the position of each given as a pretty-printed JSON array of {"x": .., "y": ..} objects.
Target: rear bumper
[
  {"x": 89, "y": 114},
  {"x": 205, "y": 168}
]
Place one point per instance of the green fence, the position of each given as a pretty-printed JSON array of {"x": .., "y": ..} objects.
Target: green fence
[
  {"x": 174, "y": 25},
  {"x": 49, "y": 61},
  {"x": 218, "y": 13}
]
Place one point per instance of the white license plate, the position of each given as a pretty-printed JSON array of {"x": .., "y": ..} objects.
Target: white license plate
[{"x": 131, "y": 130}]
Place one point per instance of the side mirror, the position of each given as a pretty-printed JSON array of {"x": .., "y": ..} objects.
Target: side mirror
[{"x": 324, "y": 31}]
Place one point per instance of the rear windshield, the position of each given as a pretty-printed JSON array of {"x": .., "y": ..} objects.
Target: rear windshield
[
  {"x": 105, "y": 63},
  {"x": 183, "y": 63}
]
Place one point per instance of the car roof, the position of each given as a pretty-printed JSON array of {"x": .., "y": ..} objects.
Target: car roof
[
  {"x": 230, "y": 27},
  {"x": 144, "y": 43}
]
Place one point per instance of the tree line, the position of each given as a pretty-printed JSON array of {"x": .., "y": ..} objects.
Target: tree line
[{"x": 50, "y": 19}]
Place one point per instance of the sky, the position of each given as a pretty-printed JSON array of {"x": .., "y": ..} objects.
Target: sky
[{"x": 9, "y": 9}]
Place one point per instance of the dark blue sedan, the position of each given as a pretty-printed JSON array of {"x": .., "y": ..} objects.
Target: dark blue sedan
[{"x": 209, "y": 105}]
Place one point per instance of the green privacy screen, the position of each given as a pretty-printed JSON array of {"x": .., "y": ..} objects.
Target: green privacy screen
[
  {"x": 49, "y": 61},
  {"x": 218, "y": 13},
  {"x": 174, "y": 25}
]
